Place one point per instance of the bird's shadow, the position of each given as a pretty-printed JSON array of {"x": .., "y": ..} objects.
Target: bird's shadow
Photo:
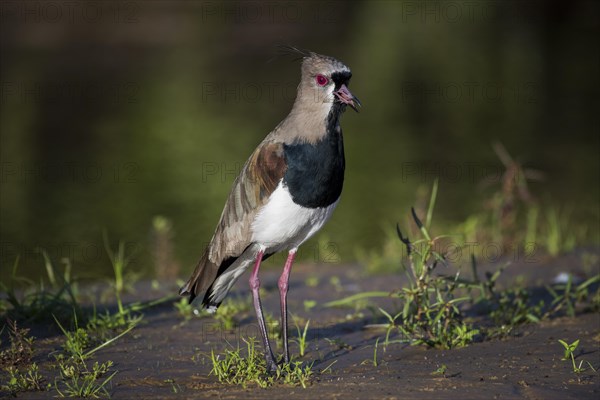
[{"x": 343, "y": 338}]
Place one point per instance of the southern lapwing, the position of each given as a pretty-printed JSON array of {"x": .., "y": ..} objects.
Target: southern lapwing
[{"x": 283, "y": 195}]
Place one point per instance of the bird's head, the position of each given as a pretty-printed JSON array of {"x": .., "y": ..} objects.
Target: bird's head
[{"x": 324, "y": 84}]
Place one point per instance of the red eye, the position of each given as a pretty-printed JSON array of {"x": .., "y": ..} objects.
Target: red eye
[{"x": 321, "y": 80}]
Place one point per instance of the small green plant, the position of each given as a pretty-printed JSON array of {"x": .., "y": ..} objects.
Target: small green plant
[
  {"x": 122, "y": 279},
  {"x": 59, "y": 299},
  {"x": 569, "y": 349},
  {"x": 233, "y": 368},
  {"x": 513, "y": 308},
  {"x": 85, "y": 333},
  {"x": 24, "y": 380},
  {"x": 20, "y": 349},
  {"x": 78, "y": 341},
  {"x": 104, "y": 325},
  {"x": 301, "y": 337},
  {"x": 431, "y": 313},
  {"x": 36, "y": 302},
  {"x": 309, "y": 305},
  {"x": 185, "y": 309},
  {"x": 374, "y": 361},
  {"x": 77, "y": 380},
  {"x": 569, "y": 353},
  {"x": 567, "y": 296},
  {"x": 15, "y": 360},
  {"x": 295, "y": 374},
  {"x": 229, "y": 310},
  {"x": 390, "y": 326},
  {"x": 441, "y": 370},
  {"x": 432, "y": 310},
  {"x": 175, "y": 388},
  {"x": 507, "y": 308},
  {"x": 76, "y": 377}
]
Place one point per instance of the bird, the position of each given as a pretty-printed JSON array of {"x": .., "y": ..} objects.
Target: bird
[{"x": 285, "y": 192}]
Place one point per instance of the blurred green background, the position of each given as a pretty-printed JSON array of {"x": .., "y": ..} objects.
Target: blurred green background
[{"x": 114, "y": 113}]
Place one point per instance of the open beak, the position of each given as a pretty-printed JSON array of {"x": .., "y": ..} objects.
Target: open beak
[{"x": 344, "y": 95}]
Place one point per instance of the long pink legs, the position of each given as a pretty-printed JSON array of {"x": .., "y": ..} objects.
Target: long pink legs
[
  {"x": 283, "y": 289},
  {"x": 255, "y": 286}
]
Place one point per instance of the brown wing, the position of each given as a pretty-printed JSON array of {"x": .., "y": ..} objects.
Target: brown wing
[{"x": 259, "y": 178}]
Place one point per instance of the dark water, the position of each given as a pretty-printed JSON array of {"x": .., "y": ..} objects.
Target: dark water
[{"x": 115, "y": 113}]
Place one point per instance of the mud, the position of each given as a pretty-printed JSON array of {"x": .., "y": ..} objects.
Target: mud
[{"x": 166, "y": 357}]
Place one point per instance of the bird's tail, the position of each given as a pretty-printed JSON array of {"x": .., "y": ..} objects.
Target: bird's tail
[{"x": 201, "y": 279}]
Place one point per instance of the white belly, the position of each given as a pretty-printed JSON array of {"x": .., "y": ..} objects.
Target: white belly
[{"x": 283, "y": 225}]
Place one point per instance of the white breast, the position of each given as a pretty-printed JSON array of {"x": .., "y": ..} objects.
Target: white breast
[{"x": 283, "y": 225}]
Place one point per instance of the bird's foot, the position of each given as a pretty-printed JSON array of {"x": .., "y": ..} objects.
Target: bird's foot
[
  {"x": 282, "y": 365},
  {"x": 272, "y": 366}
]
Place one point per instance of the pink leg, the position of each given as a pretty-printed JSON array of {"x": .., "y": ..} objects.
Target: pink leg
[
  {"x": 283, "y": 289},
  {"x": 255, "y": 286}
]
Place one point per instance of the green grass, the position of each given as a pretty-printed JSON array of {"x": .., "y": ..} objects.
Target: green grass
[
  {"x": 567, "y": 296},
  {"x": 119, "y": 261},
  {"x": 27, "y": 379},
  {"x": 300, "y": 339},
  {"x": 430, "y": 312},
  {"x": 247, "y": 367},
  {"x": 38, "y": 301},
  {"x": 79, "y": 380},
  {"x": 86, "y": 330},
  {"x": 16, "y": 362},
  {"x": 375, "y": 361},
  {"x": 185, "y": 309},
  {"x": 434, "y": 306},
  {"x": 20, "y": 349}
]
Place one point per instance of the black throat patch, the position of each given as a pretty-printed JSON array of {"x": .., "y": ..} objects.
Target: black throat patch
[{"x": 315, "y": 172}]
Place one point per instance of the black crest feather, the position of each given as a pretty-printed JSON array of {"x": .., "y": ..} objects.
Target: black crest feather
[{"x": 293, "y": 51}]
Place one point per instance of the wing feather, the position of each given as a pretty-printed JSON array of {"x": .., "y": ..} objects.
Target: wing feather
[{"x": 251, "y": 190}]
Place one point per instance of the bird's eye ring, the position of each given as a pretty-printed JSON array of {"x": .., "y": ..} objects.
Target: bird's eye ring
[{"x": 321, "y": 80}]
